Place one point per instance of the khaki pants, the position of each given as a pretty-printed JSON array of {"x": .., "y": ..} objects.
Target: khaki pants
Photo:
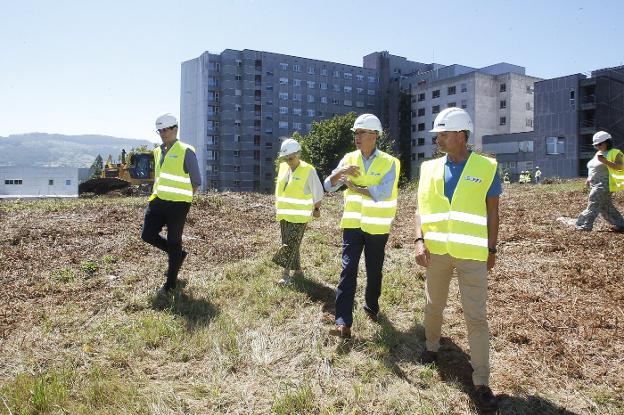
[{"x": 472, "y": 279}]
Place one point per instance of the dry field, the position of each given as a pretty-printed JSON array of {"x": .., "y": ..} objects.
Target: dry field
[{"x": 81, "y": 330}]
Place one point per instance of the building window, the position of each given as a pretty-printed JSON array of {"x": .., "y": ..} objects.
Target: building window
[
  {"x": 359, "y": 77},
  {"x": 503, "y": 121},
  {"x": 347, "y": 89},
  {"x": 296, "y": 126},
  {"x": 420, "y": 156},
  {"x": 529, "y": 122},
  {"x": 236, "y": 153},
  {"x": 283, "y": 81},
  {"x": 421, "y": 112},
  {"x": 360, "y": 90},
  {"x": 284, "y": 66},
  {"x": 372, "y": 79},
  {"x": 421, "y": 126},
  {"x": 311, "y": 84},
  {"x": 370, "y": 92},
  {"x": 335, "y": 101},
  {"x": 297, "y": 111},
  {"x": 348, "y": 103},
  {"x": 529, "y": 89},
  {"x": 296, "y": 68},
  {"x": 238, "y": 92},
  {"x": 310, "y": 113},
  {"x": 529, "y": 107},
  {"x": 283, "y": 110},
  {"x": 268, "y": 145},
  {"x": 256, "y": 140},
  {"x": 323, "y": 100},
  {"x": 451, "y": 104},
  {"x": 296, "y": 82},
  {"x": 503, "y": 87},
  {"x": 464, "y": 103},
  {"x": 323, "y": 72},
  {"x": 348, "y": 76},
  {"x": 336, "y": 88},
  {"x": 435, "y": 94},
  {"x": 555, "y": 145},
  {"x": 450, "y": 90},
  {"x": 359, "y": 104},
  {"x": 238, "y": 77},
  {"x": 283, "y": 96},
  {"x": 283, "y": 124},
  {"x": 236, "y": 168},
  {"x": 237, "y": 123},
  {"x": 310, "y": 98},
  {"x": 421, "y": 141},
  {"x": 503, "y": 104},
  {"x": 413, "y": 156},
  {"x": 323, "y": 85},
  {"x": 463, "y": 87},
  {"x": 237, "y": 138},
  {"x": 236, "y": 183},
  {"x": 435, "y": 109},
  {"x": 336, "y": 74},
  {"x": 297, "y": 97},
  {"x": 421, "y": 96}
]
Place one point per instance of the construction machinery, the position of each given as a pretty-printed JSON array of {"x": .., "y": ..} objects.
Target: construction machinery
[{"x": 133, "y": 176}]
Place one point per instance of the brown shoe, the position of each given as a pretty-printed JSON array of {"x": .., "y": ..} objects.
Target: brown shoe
[
  {"x": 341, "y": 331},
  {"x": 486, "y": 399}
]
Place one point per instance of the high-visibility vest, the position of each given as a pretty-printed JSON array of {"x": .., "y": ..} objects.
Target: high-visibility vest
[
  {"x": 291, "y": 203},
  {"x": 171, "y": 182},
  {"x": 362, "y": 211},
  {"x": 616, "y": 177},
  {"x": 459, "y": 227}
]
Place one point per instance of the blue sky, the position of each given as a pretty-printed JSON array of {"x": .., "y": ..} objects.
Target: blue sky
[{"x": 87, "y": 67}]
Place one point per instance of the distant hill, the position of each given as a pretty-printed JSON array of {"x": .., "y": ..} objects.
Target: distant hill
[{"x": 57, "y": 150}]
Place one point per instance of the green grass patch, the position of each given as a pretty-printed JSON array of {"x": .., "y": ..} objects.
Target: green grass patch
[{"x": 294, "y": 399}]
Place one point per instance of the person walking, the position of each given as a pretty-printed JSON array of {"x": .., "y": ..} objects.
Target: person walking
[
  {"x": 605, "y": 175},
  {"x": 298, "y": 195},
  {"x": 176, "y": 179},
  {"x": 370, "y": 201},
  {"x": 457, "y": 229},
  {"x": 538, "y": 175}
]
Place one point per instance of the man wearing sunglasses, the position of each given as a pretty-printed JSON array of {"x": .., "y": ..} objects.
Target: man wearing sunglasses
[{"x": 176, "y": 180}]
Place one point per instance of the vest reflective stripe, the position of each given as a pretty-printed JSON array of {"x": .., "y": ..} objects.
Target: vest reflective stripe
[
  {"x": 374, "y": 217},
  {"x": 616, "y": 177},
  {"x": 171, "y": 182},
  {"x": 458, "y": 227},
  {"x": 291, "y": 203}
]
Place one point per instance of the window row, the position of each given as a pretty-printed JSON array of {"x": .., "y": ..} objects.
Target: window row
[{"x": 324, "y": 72}]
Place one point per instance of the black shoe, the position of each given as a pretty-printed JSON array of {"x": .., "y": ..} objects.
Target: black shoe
[
  {"x": 486, "y": 399},
  {"x": 371, "y": 316},
  {"x": 428, "y": 357}
]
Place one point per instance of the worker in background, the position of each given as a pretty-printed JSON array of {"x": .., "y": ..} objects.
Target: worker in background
[
  {"x": 506, "y": 179},
  {"x": 528, "y": 177},
  {"x": 605, "y": 175},
  {"x": 538, "y": 175},
  {"x": 457, "y": 229},
  {"x": 123, "y": 156},
  {"x": 298, "y": 195},
  {"x": 370, "y": 201},
  {"x": 176, "y": 179}
]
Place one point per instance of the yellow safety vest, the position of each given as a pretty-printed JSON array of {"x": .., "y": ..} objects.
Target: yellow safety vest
[
  {"x": 616, "y": 177},
  {"x": 459, "y": 227},
  {"x": 171, "y": 182},
  {"x": 291, "y": 203},
  {"x": 362, "y": 211}
]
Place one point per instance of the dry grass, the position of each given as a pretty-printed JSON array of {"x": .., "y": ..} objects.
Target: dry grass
[{"x": 82, "y": 332}]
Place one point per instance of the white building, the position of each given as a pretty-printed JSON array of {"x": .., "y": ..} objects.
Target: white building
[
  {"x": 25, "y": 181},
  {"x": 499, "y": 98}
]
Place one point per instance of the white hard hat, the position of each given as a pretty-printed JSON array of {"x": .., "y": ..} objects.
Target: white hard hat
[
  {"x": 289, "y": 146},
  {"x": 166, "y": 120},
  {"x": 600, "y": 137},
  {"x": 367, "y": 122},
  {"x": 452, "y": 119}
]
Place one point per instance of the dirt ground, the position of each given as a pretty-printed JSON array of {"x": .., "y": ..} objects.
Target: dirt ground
[{"x": 556, "y": 300}]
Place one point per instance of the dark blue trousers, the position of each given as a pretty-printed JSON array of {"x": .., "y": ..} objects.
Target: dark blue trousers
[{"x": 354, "y": 241}]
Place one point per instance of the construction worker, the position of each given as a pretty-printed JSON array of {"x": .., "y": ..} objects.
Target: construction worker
[
  {"x": 371, "y": 177},
  {"x": 176, "y": 179},
  {"x": 605, "y": 175},
  {"x": 457, "y": 229},
  {"x": 506, "y": 178},
  {"x": 538, "y": 174},
  {"x": 298, "y": 194}
]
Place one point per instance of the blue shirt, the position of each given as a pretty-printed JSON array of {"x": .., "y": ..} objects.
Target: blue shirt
[
  {"x": 379, "y": 192},
  {"x": 452, "y": 174}
]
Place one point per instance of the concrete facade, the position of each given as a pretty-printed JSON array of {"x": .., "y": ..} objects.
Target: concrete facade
[
  {"x": 39, "y": 181},
  {"x": 499, "y": 99}
]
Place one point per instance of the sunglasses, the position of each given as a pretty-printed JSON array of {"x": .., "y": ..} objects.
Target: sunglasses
[{"x": 162, "y": 130}]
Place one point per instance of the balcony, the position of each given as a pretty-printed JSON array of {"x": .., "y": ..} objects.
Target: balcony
[
  {"x": 588, "y": 102},
  {"x": 587, "y": 126}
]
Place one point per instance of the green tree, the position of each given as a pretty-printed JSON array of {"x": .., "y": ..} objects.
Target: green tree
[
  {"x": 96, "y": 167},
  {"x": 328, "y": 141}
]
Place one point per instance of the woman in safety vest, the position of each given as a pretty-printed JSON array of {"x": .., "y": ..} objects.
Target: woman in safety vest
[
  {"x": 298, "y": 194},
  {"x": 605, "y": 175}
]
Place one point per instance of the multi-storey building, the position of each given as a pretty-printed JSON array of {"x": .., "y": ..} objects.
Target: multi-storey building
[
  {"x": 237, "y": 106},
  {"x": 568, "y": 111},
  {"x": 499, "y": 98}
]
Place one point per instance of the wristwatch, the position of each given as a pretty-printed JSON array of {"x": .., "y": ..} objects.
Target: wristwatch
[{"x": 492, "y": 250}]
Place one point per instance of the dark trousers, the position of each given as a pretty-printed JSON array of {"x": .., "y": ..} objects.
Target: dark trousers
[
  {"x": 353, "y": 242},
  {"x": 160, "y": 213}
]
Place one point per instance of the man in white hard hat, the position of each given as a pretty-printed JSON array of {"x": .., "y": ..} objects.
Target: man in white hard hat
[
  {"x": 457, "y": 228},
  {"x": 176, "y": 179},
  {"x": 538, "y": 174},
  {"x": 298, "y": 195},
  {"x": 605, "y": 175},
  {"x": 371, "y": 177}
]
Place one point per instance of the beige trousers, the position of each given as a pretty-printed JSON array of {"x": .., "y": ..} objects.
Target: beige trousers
[{"x": 472, "y": 279}]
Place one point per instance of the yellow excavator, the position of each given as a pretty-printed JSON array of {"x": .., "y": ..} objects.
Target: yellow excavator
[{"x": 133, "y": 176}]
